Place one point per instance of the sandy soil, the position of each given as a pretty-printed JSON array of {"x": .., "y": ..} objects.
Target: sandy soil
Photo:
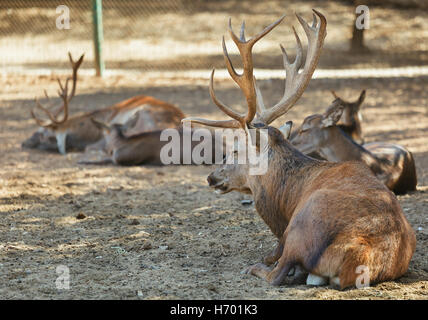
[{"x": 160, "y": 232}]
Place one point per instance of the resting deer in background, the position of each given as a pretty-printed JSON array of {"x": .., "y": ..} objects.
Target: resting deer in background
[
  {"x": 145, "y": 148},
  {"x": 138, "y": 114},
  {"x": 392, "y": 164},
  {"x": 350, "y": 122},
  {"x": 329, "y": 218}
]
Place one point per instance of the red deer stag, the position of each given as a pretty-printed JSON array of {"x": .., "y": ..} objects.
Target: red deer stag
[
  {"x": 392, "y": 164},
  {"x": 139, "y": 114},
  {"x": 329, "y": 218}
]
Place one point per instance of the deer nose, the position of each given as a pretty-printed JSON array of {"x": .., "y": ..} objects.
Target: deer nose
[{"x": 211, "y": 180}]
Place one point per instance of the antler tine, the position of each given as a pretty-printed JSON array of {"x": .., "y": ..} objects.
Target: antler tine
[
  {"x": 45, "y": 110},
  {"x": 314, "y": 20},
  {"x": 242, "y": 33},
  {"x": 75, "y": 66},
  {"x": 229, "y": 66},
  {"x": 63, "y": 93},
  {"x": 265, "y": 31},
  {"x": 64, "y": 96},
  {"x": 38, "y": 121},
  {"x": 220, "y": 104},
  {"x": 296, "y": 83},
  {"x": 246, "y": 81},
  {"x": 334, "y": 94},
  {"x": 292, "y": 68},
  {"x": 236, "y": 123}
]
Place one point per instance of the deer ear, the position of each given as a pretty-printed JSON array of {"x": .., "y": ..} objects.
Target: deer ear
[
  {"x": 286, "y": 129},
  {"x": 333, "y": 114},
  {"x": 101, "y": 125},
  {"x": 361, "y": 98}
]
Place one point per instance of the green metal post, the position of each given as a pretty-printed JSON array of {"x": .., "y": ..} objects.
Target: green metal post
[{"x": 97, "y": 14}]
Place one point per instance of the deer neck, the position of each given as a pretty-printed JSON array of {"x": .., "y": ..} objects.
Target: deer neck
[
  {"x": 275, "y": 192},
  {"x": 340, "y": 148}
]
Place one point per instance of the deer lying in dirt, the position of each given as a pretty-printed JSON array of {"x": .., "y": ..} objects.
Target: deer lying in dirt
[
  {"x": 146, "y": 148},
  {"x": 350, "y": 122},
  {"x": 392, "y": 164},
  {"x": 138, "y": 114},
  {"x": 330, "y": 218}
]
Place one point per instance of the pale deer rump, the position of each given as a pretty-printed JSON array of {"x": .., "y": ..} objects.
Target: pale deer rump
[{"x": 329, "y": 217}]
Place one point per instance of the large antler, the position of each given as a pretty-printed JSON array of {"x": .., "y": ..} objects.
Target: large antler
[
  {"x": 245, "y": 80},
  {"x": 63, "y": 93},
  {"x": 296, "y": 82}
]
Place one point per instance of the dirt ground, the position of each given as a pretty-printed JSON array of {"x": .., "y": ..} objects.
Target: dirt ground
[{"x": 161, "y": 232}]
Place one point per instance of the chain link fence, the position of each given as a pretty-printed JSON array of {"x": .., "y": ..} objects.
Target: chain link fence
[
  {"x": 169, "y": 35},
  {"x": 133, "y": 30}
]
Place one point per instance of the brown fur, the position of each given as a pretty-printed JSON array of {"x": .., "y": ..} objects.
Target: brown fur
[
  {"x": 350, "y": 122},
  {"x": 329, "y": 217},
  {"x": 151, "y": 114},
  {"x": 392, "y": 164}
]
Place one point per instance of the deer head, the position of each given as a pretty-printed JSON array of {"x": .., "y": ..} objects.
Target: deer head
[
  {"x": 234, "y": 175},
  {"x": 52, "y": 132},
  {"x": 112, "y": 134},
  {"x": 316, "y": 131},
  {"x": 351, "y": 119}
]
